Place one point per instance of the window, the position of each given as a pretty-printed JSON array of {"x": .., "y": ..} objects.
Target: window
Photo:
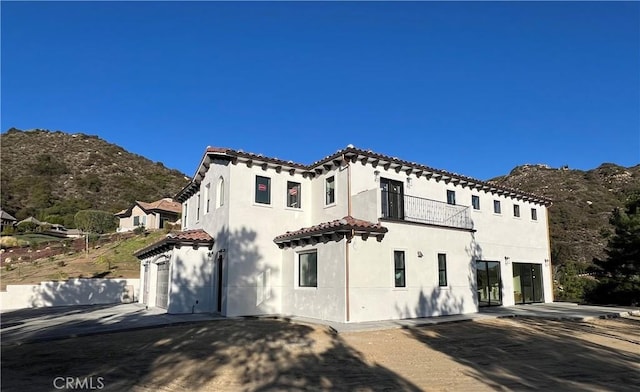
[
  {"x": 185, "y": 215},
  {"x": 442, "y": 269},
  {"x": 220, "y": 193},
  {"x": 451, "y": 197},
  {"x": 207, "y": 198},
  {"x": 136, "y": 221},
  {"x": 475, "y": 202},
  {"x": 534, "y": 214},
  {"x": 496, "y": 206},
  {"x": 198, "y": 209},
  {"x": 330, "y": 189},
  {"x": 398, "y": 260},
  {"x": 293, "y": 194},
  {"x": 308, "y": 269},
  {"x": 516, "y": 210},
  {"x": 263, "y": 190}
]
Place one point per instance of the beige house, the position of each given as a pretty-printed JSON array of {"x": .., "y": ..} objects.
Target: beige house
[
  {"x": 356, "y": 236},
  {"x": 150, "y": 215}
]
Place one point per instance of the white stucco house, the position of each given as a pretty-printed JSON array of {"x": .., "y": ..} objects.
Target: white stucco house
[
  {"x": 152, "y": 215},
  {"x": 356, "y": 236}
]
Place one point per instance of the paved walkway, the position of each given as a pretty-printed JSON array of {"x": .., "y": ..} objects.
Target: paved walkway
[{"x": 43, "y": 324}]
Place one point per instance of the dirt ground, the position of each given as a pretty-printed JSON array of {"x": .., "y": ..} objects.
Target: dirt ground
[{"x": 260, "y": 355}]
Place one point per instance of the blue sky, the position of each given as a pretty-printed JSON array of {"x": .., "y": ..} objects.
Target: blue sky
[{"x": 474, "y": 88}]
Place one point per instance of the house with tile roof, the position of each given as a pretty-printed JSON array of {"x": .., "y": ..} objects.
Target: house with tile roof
[
  {"x": 355, "y": 236},
  {"x": 150, "y": 215}
]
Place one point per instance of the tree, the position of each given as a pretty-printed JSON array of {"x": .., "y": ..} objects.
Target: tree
[
  {"x": 94, "y": 221},
  {"x": 619, "y": 272}
]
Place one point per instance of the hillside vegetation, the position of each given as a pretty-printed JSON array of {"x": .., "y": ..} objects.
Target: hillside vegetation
[
  {"x": 582, "y": 204},
  {"x": 52, "y": 175}
]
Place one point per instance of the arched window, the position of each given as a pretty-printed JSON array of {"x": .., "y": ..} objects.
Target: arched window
[{"x": 220, "y": 193}]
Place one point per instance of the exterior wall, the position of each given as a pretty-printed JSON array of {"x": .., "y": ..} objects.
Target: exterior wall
[
  {"x": 70, "y": 292},
  {"x": 373, "y": 295},
  {"x": 327, "y": 300},
  {"x": 254, "y": 284},
  {"x": 496, "y": 236},
  {"x": 192, "y": 280}
]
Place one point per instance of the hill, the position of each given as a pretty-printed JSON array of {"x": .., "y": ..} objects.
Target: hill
[
  {"x": 582, "y": 204},
  {"x": 52, "y": 175}
]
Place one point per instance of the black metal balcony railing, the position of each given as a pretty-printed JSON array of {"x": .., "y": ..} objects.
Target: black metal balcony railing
[{"x": 420, "y": 210}]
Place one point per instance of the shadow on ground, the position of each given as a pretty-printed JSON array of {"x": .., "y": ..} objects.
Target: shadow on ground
[
  {"x": 219, "y": 355},
  {"x": 539, "y": 354}
]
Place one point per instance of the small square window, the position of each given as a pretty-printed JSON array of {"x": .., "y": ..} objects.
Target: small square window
[
  {"x": 330, "y": 189},
  {"x": 451, "y": 197},
  {"x": 308, "y": 269},
  {"x": 399, "y": 268},
  {"x": 475, "y": 202},
  {"x": 516, "y": 210},
  {"x": 534, "y": 214},
  {"x": 442, "y": 269},
  {"x": 293, "y": 194},
  {"x": 263, "y": 190},
  {"x": 496, "y": 206}
]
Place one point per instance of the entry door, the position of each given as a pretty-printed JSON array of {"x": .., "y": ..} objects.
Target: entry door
[
  {"x": 392, "y": 198},
  {"x": 527, "y": 283},
  {"x": 162, "y": 286},
  {"x": 489, "y": 283},
  {"x": 219, "y": 273}
]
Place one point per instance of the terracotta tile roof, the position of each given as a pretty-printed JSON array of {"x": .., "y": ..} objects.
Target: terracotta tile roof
[
  {"x": 191, "y": 235},
  {"x": 196, "y": 238},
  {"x": 166, "y": 204},
  {"x": 345, "y": 226},
  {"x": 353, "y": 154}
]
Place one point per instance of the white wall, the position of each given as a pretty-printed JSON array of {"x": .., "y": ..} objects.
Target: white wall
[
  {"x": 327, "y": 300},
  {"x": 70, "y": 292},
  {"x": 373, "y": 295}
]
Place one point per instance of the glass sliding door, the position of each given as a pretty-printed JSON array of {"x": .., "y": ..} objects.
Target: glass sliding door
[
  {"x": 489, "y": 283},
  {"x": 527, "y": 283}
]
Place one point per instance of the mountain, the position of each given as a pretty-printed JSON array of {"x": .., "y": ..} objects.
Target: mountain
[
  {"x": 582, "y": 204},
  {"x": 52, "y": 175}
]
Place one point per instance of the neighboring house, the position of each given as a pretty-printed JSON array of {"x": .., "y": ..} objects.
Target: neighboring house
[
  {"x": 150, "y": 215},
  {"x": 356, "y": 236},
  {"x": 6, "y": 220}
]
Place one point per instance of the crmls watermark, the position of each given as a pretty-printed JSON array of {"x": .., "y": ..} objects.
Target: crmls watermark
[{"x": 78, "y": 383}]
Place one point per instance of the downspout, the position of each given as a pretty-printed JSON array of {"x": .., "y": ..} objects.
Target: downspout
[
  {"x": 546, "y": 212},
  {"x": 346, "y": 273}
]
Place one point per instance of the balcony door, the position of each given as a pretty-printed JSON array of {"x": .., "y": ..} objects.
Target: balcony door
[{"x": 392, "y": 198}]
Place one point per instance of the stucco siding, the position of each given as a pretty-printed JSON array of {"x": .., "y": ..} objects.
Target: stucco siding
[{"x": 327, "y": 300}]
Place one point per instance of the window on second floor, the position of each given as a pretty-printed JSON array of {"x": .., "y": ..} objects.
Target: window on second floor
[
  {"x": 263, "y": 190},
  {"x": 496, "y": 207},
  {"x": 475, "y": 202},
  {"x": 293, "y": 194},
  {"x": 198, "y": 208},
  {"x": 220, "y": 193},
  {"x": 534, "y": 214},
  {"x": 185, "y": 215},
  {"x": 516, "y": 210},
  {"x": 207, "y": 198},
  {"x": 330, "y": 190},
  {"x": 451, "y": 197}
]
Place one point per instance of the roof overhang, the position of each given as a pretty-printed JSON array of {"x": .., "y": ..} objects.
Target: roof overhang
[
  {"x": 347, "y": 227},
  {"x": 194, "y": 238}
]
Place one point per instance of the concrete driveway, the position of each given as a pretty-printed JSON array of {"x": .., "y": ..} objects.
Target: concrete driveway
[{"x": 43, "y": 324}]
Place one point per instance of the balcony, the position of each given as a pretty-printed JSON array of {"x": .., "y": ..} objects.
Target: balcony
[{"x": 419, "y": 210}]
